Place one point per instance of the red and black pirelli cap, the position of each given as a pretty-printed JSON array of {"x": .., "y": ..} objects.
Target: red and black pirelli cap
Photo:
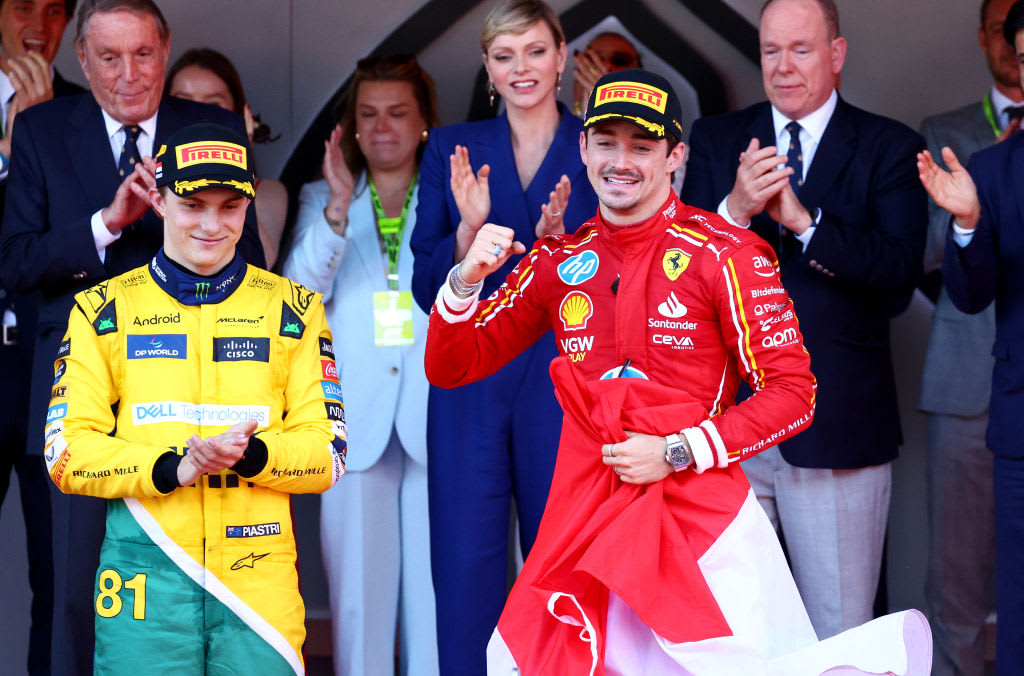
[
  {"x": 638, "y": 96},
  {"x": 205, "y": 155}
]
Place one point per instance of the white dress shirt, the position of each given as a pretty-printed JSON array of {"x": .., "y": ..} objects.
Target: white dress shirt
[
  {"x": 115, "y": 133},
  {"x": 812, "y": 128}
]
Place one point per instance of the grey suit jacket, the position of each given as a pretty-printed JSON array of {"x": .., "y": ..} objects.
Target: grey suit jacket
[{"x": 957, "y": 378}]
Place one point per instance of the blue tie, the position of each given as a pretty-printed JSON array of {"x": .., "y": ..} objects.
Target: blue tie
[
  {"x": 796, "y": 157},
  {"x": 129, "y": 152}
]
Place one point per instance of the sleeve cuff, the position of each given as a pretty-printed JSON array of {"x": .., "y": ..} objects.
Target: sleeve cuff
[
  {"x": 101, "y": 236},
  {"x": 962, "y": 236},
  {"x": 165, "y": 472},
  {"x": 253, "y": 460},
  {"x": 703, "y": 456},
  {"x": 723, "y": 211},
  {"x": 453, "y": 308},
  {"x": 805, "y": 237}
]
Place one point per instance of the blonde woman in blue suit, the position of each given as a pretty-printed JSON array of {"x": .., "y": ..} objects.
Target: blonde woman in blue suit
[{"x": 352, "y": 245}]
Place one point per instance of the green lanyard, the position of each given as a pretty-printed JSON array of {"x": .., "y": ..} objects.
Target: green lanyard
[
  {"x": 990, "y": 114},
  {"x": 391, "y": 229}
]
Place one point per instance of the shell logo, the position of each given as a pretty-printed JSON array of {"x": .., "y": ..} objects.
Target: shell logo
[{"x": 576, "y": 310}]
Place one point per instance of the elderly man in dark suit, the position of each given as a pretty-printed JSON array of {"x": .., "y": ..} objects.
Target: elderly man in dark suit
[
  {"x": 955, "y": 389},
  {"x": 77, "y": 214},
  {"x": 30, "y": 36},
  {"x": 984, "y": 261},
  {"x": 832, "y": 188}
]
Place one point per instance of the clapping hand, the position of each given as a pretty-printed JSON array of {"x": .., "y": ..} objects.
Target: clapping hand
[
  {"x": 472, "y": 195},
  {"x": 30, "y": 77},
  {"x": 757, "y": 180},
  {"x": 553, "y": 213},
  {"x": 131, "y": 201},
  {"x": 339, "y": 179},
  {"x": 216, "y": 453},
  {"x": 953, "y": 190}
]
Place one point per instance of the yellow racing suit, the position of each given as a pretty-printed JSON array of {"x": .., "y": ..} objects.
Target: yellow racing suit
[{"x": 196, "y": 579}]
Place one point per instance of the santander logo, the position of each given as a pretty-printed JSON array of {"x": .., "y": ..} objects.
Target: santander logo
[{"x": 672, "y": 308}]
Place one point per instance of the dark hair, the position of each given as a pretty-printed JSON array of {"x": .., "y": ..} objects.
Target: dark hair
[
  {"x": 221, "y": 66},
  {"x": 143, "y": 7},
  {"x": 391, "y": 68},
  {"x": 69, "y": 7},
  {"x": 830, "y": 12},
  {"x": 1014, "y": 23}
]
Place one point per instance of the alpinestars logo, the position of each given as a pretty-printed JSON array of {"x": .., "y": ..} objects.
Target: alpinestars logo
[{"x": 202, "y": 290}]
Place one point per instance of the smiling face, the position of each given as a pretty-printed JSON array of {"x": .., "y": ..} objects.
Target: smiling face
[
  {"x": 629, "y": 169},
  {"x": 31, "y": 26},
  {"x": 799, "y": 63},
  {"x": 524, "y": 67},
  {"x": 124, "y": 61},
  {"x": 195, "y": 83},
  {"x": 389, "y": 124},
  {"x": 201, "y": 229}
]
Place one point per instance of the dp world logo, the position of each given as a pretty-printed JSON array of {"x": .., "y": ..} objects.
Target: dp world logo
[
  {"x": 156, "y": 343},
  {"x": 202, "y": 290},
  {"x": 579, "y": 268}
]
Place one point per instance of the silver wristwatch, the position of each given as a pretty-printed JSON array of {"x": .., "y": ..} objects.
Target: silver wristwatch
[{"x": 677, "y": 452}]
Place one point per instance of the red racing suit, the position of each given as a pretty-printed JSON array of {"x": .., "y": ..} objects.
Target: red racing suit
[{"x": 682, "y": 299}]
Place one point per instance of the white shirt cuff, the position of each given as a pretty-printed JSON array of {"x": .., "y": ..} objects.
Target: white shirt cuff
[
  {"x": 805, "y": 237},
  {"x": 101, "y": 236},
  {"x": 723, "y": 211},
  {"x": 962, "y": 236}
]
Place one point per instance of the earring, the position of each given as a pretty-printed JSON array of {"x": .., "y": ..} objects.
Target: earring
[
  {"x": 357, "y": 136},
  {"x": 491, "y": 91},
  {"x": 558, "y": 84},
  {"x": 424, "y": 136}
]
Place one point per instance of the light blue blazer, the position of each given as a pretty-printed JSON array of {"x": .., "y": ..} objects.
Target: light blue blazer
[{"x": 382, "y": 386}]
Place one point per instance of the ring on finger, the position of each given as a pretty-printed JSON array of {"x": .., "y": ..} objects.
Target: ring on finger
[
  {"x": 496, "y": 251},
  {"x": 616, "y": 469},
  {"x": 555, "y": 213}
]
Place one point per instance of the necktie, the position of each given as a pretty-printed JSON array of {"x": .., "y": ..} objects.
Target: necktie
[
  {"x": 129, "y": 151},
  {"x": 1013, "y": 113},
  {"x": 788, "y": 244}
]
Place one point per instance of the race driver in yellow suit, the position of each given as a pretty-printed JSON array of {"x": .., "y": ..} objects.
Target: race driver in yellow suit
[{"x": 196, "y": 393}]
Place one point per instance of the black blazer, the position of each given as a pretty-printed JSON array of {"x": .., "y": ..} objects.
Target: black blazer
[
  {"x": 62, "y": 172},
  {"x": 859, "y": 270}
]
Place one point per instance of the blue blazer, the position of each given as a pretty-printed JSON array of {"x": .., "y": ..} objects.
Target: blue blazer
[
  {"x": 991, "y": 268},
  {"x": 859, "y": 270},
  {"x": 490, "y": 142},
  {"x": 62, "y": 172},
  {"x": 383, "y": 386}
]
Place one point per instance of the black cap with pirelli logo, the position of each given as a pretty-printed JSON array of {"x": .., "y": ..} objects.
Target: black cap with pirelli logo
[
  {"x": 206, "y": 155},
  {"x": 644, "y": 98}
]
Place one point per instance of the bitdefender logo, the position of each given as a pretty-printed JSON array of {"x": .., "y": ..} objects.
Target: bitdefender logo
[{"x": 159, "y": 346}]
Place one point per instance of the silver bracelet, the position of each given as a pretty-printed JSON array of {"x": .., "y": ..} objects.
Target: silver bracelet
[{"x": 460, "y": 286}]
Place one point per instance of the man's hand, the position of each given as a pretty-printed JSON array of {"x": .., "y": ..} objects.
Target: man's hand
[
  {"x": 785, "y": 208},
  {"x": 952, "y": 190},
  {"x": 131, "y": 200},
  {"x": 638, "y": 460},
  {"x": 484, "y": 256},
  {"x": 30, "y": 77},
  {"x": 587, "y": 69},
  {"x": 757, "y": 181},
  {"x": 339, "y": 180},
  {"x": 472, "y": 195},
  {"x": 553, "y": 213},
  {"x": 214, "y": 454}
]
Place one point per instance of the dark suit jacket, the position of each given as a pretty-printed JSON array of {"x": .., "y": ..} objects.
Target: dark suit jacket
[
  {"x": 489, "y": 142},
  {"x": 991, "y": 268},
  {"x": 62, "y": 172},
  {"x": 859, "y": 270}
]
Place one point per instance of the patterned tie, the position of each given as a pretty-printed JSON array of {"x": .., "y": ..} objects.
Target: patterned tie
[
  {"x": 129, "y": 152},
  {"x": 788, "y": 244},
  {"x": 796, "y": 157}
]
